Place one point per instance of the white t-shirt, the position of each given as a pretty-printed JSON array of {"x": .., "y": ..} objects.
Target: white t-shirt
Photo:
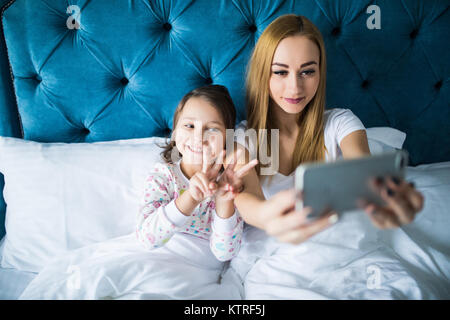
[{"x": 338, "y": 124}]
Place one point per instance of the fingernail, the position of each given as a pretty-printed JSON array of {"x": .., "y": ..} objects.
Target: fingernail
[
  {"x": 390, "y": 192},
  {"x": 396, "y": 180},
  {"x": 333, "y": 219}
]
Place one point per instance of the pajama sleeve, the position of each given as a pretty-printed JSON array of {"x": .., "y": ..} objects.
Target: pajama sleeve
[
  {"x": 226, "y": 236},
  {"x": 158, "y": 217}
]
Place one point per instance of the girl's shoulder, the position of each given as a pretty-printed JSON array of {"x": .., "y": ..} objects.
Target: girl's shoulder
[{"x": 161, "y": 169}]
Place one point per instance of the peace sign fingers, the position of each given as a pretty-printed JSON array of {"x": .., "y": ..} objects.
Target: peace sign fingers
[
  {"x": 206, "y": 159},
  {"x": 214, "y": 171},
  {"x": 246, "y": 168}
]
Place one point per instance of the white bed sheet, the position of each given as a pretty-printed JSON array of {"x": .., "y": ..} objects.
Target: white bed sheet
[
  {"x": 12, "y": 281},
  {"x": 121, "y": 268},
  {"x": 354, "y": 260},
  {"x": 351, "y": 260}
]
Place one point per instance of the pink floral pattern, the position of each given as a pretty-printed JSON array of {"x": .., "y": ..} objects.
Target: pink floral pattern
[{"x": 164, "y": 184}]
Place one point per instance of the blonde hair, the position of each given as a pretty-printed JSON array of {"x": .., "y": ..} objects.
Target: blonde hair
[{"x": 310, "y": 142}]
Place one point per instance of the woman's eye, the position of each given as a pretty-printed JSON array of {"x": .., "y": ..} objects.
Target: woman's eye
[
  {"x": 308, "y": 72},
  {"x": 189, "y": 126},
  {"x": 280, "y": 73}
]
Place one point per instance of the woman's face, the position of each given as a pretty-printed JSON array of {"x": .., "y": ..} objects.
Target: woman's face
[
  {"x": 295, "y": 73},
  {"x": 199, "y": 125}
]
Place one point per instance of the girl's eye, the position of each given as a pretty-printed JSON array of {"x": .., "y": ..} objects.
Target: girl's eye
[
  {"x": 189, "y": 126},
  {"x": 213, "y": 129},
  {"x": 308, "y": 72}
]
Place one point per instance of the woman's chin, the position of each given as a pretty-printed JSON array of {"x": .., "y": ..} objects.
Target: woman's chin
[{"x": 293, "y": 109}]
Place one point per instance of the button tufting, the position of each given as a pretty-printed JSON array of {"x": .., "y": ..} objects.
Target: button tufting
[
  {"x": 37, "y": 78},
  {"x": 336, "y": 31},
  {"x": 252, "y": 28},
  {"x": 167, "y": 26},
  {"x": 124, "y": 81},
  {"x": 86, "y": 131},
  {"x": 414, "y": 33},
  {"x": 438, "y": 85},
  {"x": 208, "y": 80},
  {"x": 365, "y": 84}
]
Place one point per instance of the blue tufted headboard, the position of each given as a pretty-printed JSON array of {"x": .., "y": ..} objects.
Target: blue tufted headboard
[{"x": 123, "y": 71}]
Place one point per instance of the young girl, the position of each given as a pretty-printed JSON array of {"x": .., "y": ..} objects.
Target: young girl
[{"x": 191, "y": 196}]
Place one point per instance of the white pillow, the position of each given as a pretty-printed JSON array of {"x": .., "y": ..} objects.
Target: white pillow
[
  {"x": 384, "y": 139},
  {"x": 64, "y": 196}
]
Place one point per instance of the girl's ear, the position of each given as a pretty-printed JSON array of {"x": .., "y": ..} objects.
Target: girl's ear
[{"x": 172, "y": 137}]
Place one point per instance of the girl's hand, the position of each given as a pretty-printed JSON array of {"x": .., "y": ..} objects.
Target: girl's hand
[
  {"x": 230, "y": 183},
  {"x": 402, "y": 199},
  {"x": 288, "y": 225},
  {"x": 202, "y": 184}
]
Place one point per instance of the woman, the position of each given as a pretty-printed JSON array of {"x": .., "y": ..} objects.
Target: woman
[{"x": 286, "y": 91}]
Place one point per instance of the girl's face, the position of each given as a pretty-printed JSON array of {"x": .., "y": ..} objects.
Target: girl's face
[
  {"x": 199, "y": 125},
  {"x": 295, "y": 73}
]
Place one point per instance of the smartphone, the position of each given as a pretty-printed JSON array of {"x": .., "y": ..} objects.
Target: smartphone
[{"x": 338, "y": 185}]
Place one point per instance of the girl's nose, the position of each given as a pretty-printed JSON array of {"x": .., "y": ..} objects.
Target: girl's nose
[{"x": 198, "y": 136}]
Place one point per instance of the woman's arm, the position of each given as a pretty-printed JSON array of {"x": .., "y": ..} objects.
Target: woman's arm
[
  {"x": 250, "y": 201},
  {"x": 277, "y": 215},
  {"x": 355, "y": 145}
]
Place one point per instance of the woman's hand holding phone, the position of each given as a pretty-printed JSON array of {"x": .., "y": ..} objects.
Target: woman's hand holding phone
[{"x": 289, "y": 225}]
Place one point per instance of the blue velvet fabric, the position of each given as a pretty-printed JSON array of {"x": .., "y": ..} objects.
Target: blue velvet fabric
[
  {"x": 122, "y": 73},
  {"x": 9, "y": 122}
]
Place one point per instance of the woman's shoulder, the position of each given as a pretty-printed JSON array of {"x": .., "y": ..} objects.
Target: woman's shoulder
[
  {"x": 339, "y": 122},
  {"x": 334, "y": 114},
  {"x": 340, "y": 116}
]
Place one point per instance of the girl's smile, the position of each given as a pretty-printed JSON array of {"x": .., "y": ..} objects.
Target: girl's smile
[{"x": 199, "y": 127}]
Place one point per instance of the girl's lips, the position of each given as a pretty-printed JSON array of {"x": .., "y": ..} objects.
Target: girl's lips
[
  {"x": 293, "y": 101},
  {"x": 196, "y": 150}
]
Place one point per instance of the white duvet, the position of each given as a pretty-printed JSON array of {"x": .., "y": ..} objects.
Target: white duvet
[
  {"x": 351, "y": 260},
  {"x": 122, "y": 268}
]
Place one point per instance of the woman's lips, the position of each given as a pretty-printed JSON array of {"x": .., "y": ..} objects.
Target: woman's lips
[{"x": 293, "y": 101}]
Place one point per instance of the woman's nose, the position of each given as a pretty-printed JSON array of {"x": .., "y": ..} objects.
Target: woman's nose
[{"x": 295, "y": 84}]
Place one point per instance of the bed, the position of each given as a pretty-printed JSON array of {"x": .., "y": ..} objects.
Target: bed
[{"x": 87, "y": 93}]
